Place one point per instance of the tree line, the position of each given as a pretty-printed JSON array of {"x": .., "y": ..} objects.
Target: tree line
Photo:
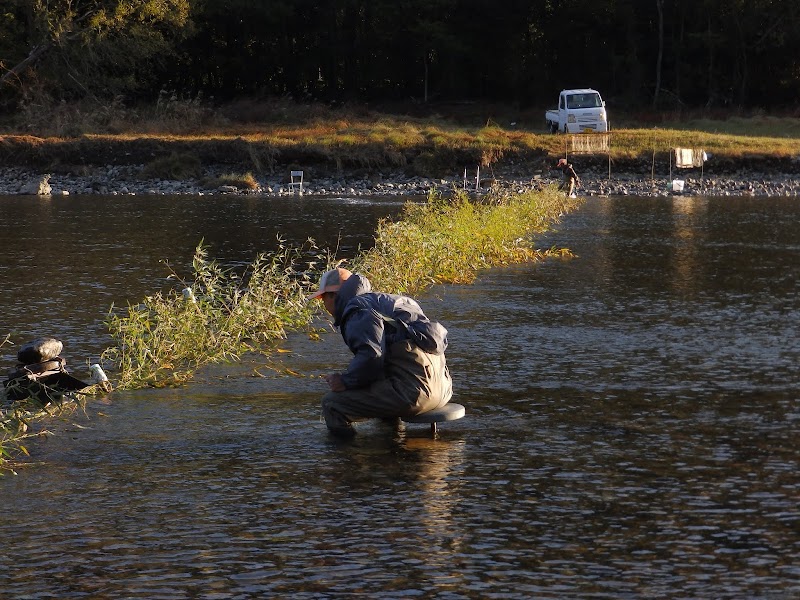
[{"x": 665, "y": 54}]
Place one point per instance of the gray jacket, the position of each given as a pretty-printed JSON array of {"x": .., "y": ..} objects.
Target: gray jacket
[{"x": 370, "y": 322}]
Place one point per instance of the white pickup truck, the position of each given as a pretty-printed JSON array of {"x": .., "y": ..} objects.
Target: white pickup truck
[{"x": 578, "y": 111}]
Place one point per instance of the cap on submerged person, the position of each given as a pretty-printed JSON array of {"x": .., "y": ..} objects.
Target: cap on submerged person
[
  {"x": 331, "y": 281},
  {"x": 561, "y": 162}
]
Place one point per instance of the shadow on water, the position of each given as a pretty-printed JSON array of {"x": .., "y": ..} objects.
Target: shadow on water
[{"x": 630, "y": 434}]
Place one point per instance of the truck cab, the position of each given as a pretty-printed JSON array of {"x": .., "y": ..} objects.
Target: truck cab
[{"x": 579, "y": 110}]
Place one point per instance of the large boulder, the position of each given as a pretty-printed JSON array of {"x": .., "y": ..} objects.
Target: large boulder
[
  {"x": 40, "y": 350},
  {"x": 39, "y": 186}
]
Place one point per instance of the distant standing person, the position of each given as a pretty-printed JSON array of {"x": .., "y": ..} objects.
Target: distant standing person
[
  {"x": 398, "y": 367},
  {"x": 570, "y": 177}
]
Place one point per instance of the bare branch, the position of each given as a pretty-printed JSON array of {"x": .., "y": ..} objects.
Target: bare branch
[{"x": 34, "y": 55}]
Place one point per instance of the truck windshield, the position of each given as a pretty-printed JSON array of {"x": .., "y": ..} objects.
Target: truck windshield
[{"x": 584, "y": 101}]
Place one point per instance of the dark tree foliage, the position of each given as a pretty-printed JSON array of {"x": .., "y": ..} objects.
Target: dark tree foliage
[
  {"x": 661, "y": 53},
  {"x": 87, "y": 48}
]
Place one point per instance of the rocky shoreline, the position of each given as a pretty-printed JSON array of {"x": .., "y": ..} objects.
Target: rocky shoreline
[{"x": 126, "y": 179}]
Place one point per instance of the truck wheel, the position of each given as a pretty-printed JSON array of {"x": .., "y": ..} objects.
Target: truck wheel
[
  {"x": 553, "y": 127},
  {"x": 565, "y": 128}
]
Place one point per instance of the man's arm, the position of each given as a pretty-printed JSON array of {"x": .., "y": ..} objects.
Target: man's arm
[{"x": 364, "y": 335}]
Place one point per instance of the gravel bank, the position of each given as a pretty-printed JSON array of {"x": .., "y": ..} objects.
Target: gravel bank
[{"x": 125, "y": 179}]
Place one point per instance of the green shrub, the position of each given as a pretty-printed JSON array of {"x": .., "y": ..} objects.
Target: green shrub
[
  {"x": 216, "y": 316},
  {"x": 450, "y": 240}
]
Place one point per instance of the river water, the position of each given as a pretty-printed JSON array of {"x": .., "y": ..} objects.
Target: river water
[{"x": 631, "y": 428}]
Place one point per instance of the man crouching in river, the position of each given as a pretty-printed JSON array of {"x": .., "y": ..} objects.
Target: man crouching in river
[{"x": 398, "y": 367}]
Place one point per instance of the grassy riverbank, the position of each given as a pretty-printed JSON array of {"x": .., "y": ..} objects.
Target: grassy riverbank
[{"x": 274, "y": 136}]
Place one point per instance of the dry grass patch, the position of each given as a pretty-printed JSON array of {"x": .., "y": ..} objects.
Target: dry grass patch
[
  {"x": 242, "y": 181},
  {"x": 632, "y": 143},
  {"x": 177, "y": 166},
  {"x": 451, "y": 240}
]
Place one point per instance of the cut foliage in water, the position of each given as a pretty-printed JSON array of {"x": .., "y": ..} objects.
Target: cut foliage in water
[
  {"x": 217, "y": 315},
  {"x": 449, "y": 240}
]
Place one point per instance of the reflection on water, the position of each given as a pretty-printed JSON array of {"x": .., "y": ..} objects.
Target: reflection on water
[
  {"x": 631, "y": 417},
  {"x": 66, "y": 260}
]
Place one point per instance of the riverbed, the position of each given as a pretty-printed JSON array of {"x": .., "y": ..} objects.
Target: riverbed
[{"x": 631, "y": 417}]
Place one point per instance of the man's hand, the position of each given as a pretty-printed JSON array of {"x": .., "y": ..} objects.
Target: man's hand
[{"x": 335, "y": 382}]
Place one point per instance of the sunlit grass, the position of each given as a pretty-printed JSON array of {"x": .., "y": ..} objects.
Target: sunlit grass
[
  {"x": 632, "y": 143},
  {"x": 755, "y": 126},
  {"x": 371, "y": 139},
  {"x": 449, "y": 240},
  {"x": 238, "y": 180}
]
